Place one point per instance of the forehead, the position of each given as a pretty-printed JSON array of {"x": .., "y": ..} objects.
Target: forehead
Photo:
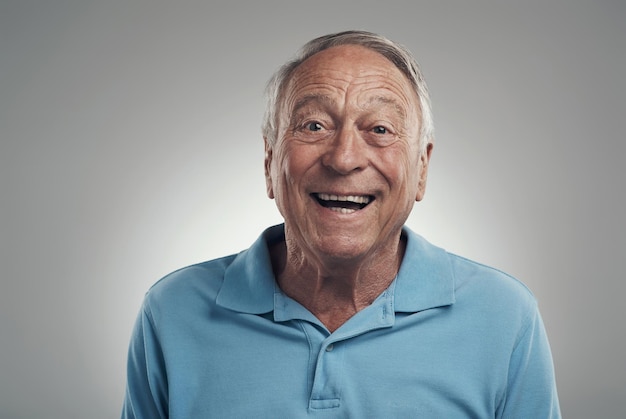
[{"x": 347, "y": 68}]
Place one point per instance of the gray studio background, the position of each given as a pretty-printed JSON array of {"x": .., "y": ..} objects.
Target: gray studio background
[{"x": 130, "y": 147}]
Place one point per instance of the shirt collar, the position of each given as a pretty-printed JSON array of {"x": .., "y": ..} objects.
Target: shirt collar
[
  {"x": 249, "y": 280},
  {"x": 425, "y": 279}
]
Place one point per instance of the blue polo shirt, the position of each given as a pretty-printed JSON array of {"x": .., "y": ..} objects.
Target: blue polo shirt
[{"x": 449, "y": 338}]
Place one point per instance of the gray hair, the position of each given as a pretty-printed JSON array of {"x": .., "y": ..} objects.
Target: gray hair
[{"x": 400, "y": 56}]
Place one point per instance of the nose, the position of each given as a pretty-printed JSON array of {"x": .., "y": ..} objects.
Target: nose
[{"x": 346, "y": 153}]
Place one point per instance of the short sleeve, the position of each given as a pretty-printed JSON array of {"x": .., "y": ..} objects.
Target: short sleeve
[
  {"x": 531, "y": 387},
  {"x": 146, "y": 388}
]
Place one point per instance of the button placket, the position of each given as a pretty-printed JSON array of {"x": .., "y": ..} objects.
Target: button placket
[
  {"x": 327, "y": 350},
  {"x": 326, "y": 392}
]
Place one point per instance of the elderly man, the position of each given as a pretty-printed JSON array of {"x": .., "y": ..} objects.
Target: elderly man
[{"x": 342, "y": 311}]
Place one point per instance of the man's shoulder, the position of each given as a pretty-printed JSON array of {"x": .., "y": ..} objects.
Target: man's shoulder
[
  {"x": 429, "y": 259},
  {"x": 241, "y": 282},
  {"x": 200, "y": 279},
  {"x": 470, "y": 270},
  {"x": 491, "y": 288}
]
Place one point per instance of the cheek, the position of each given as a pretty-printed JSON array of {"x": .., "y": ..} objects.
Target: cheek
[
  {"x": 284, "y": 173},
  {"x": 399, "y": 170},
  {"x": 295, "y": 162}
]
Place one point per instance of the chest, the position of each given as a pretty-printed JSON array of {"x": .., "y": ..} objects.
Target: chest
[{"x": 251, "y": 366}]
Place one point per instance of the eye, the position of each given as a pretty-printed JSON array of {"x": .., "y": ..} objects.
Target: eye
[
  {"x": 380, "y": 130},
  {"x": 314, "y": 126}
]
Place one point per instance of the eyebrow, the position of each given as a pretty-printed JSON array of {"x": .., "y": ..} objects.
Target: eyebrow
[
  {"x": 312, "y": 98},
  {"x": 327, "y": 101},
  {"x": 384, "y": 100}
]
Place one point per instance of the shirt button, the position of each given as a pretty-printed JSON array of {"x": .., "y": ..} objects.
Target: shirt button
[{"x": 330, "y": 347}]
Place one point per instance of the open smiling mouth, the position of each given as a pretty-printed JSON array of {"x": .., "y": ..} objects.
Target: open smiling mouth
[{"x": 345, "y": 204}]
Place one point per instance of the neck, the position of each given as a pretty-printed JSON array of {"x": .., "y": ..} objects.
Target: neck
[{"x": 334, "y": 290}]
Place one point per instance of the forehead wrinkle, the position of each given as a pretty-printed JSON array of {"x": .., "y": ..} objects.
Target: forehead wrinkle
[
  {"x": 375, "y": 101},
  {"x": 319, "y": 76},
  {"x": 305, "y": 100}
]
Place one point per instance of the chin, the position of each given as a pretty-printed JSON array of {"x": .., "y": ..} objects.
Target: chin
[{"x": 342, "y": 248}]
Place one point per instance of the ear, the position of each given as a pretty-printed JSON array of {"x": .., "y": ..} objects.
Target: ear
[
  {"x": 268, "y": 167},
  {"x": 424, "y": 161}
]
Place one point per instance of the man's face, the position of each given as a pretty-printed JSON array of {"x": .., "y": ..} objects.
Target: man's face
[{"x": 346, "y": 167}]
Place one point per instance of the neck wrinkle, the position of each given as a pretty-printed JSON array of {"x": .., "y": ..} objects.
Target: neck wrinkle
[{"x": 332, "y": 292}]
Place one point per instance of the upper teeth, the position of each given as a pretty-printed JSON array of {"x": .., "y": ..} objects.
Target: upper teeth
[{"x": 352, "y": 198}]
